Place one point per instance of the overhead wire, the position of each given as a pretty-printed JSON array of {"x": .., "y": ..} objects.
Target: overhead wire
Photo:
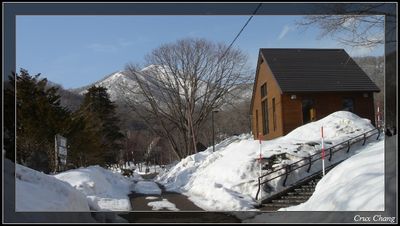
[{"x": 240, "y": 32}]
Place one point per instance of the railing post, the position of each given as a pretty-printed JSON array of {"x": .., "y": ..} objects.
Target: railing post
[
  {"x": 287, "y": 169},
  {"x": 365, "y": 139},
  {"x": 330, "y": 154},
  {"x": 348, "y": 146},
  {"x": 310, "y": 162},
  {"x": 259, "y": 187}
]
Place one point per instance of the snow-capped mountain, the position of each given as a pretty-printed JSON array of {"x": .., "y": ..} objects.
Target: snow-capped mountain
[
  {"x": 112, "y": 82},
  {"x": 121, "y": 84}
]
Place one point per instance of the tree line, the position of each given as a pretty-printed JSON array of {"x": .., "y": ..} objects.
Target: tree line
[{"x": 92, "y": 130}]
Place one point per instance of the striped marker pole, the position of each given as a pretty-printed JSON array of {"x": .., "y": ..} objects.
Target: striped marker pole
[
  {"x": 260, "y": 157},
  {"x": 322, "y": 151}
]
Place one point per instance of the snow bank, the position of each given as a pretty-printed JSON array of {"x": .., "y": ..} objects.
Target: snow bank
[
  {"x": 226, "y": 180},
  {"x": 36, "y": 191},
  {"x": 147, "y": 187},
  {"x": 357, "y": 184},
  {"x": 103, "y": 189}
]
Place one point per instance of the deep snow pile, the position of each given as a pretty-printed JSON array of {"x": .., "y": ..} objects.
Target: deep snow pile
[
  {"x": 104, "y": 190},
  {"x": 227, "y": 179},
  {"x": 357, "y": 184},
  {"x": 36, "y": 191}
]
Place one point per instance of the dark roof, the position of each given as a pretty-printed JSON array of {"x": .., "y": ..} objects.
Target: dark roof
[{"x": 316, "y": 70}]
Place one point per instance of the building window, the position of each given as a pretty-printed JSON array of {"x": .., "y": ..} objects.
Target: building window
[
  {"x": 308, "y": 108},
  {"x": 264, "y": 90},
  {"x": 274, "y": 113},
  {"x": 264, "y": 105},
  {"x": 348, "y": 104}
]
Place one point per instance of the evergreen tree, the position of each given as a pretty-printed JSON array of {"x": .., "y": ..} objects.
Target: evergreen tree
[
  {"x": 84, "y": 145},
  {"x": 9, "y": 117},
  {"x": 39, "y": 118},
  {"x": 99, "y": 114}
]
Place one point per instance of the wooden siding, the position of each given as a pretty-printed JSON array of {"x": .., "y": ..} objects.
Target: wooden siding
[
  {"x": 289, "y": 113},
  {"x": 292, "y": 113},
  {"x": 325, "y": 104},
  {"x": 273, "y": 91}
]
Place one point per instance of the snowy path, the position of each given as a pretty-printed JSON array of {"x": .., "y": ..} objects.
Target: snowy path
[
  {"x": 170, "y": 207},
  {"x": 166, "y": 201}
]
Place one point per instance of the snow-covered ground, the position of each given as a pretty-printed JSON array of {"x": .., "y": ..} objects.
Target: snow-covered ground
[
  {"x": 36, "y": 191},
  {"x": 147, "y": 187},
  {"x": 104, "y": 189},
  {"x": 226, "y": 180},
  {"x": 357, "y": 184},
  {"x": 83, "y": 189},
  {"x": 164, "y": 204},
  {"x": 141, "y": 170}
]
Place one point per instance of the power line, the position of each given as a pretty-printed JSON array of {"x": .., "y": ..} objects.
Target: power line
[{"x": 237, "y": 36}]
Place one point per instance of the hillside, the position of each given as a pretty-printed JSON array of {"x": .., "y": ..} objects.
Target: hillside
[{"x": 226, "y": 180}]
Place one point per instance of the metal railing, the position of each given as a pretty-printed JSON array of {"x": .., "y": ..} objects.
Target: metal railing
[{"x": 309, "y": 160}]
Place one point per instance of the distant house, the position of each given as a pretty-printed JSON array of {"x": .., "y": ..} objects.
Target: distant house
[{"x": 295, "y": 86}]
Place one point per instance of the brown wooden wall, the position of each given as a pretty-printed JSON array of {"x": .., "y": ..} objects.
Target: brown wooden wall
[
  {"x": 292, "y": 114},
  {"x": 273, "y": 91},
  {"x": 325, "y": 104},
  {"x": 289, "y": 113}
]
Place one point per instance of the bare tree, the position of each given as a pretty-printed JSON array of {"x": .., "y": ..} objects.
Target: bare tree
[
  {"x": 356, "y": 27},
  {"x": 185, "y": 81}
]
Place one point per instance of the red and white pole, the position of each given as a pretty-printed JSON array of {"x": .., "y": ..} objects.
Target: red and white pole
[
  {"x": 260, "y": 156},
  {"x": 322, "y": 151}
]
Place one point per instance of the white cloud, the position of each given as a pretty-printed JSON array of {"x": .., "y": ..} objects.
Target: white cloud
[{"x": 284, "y": 31}]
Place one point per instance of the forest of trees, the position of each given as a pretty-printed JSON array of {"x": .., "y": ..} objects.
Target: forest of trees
[{"x": 92, "y": 130}]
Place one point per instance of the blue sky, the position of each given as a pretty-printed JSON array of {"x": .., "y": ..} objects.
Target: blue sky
[{"x": 78, "y": 50}]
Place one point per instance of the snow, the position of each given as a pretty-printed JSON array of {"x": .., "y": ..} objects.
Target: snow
[
  {"x": 226, "y": 180},
  {"x": 164, "y": 204},
  {"x": 36, "y": 191},
  {"x": 104, "y": 189},
  {"x": 357, "y": 184},
  {"x": 147, "y": 187},
  {"x": 116, "y": 83},
  {"x": 151, "y": 197},
  {"x": 122, "y": 86}
]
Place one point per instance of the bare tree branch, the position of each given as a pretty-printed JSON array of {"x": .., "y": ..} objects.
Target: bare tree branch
[
  {"x": 183, "y": 83},
  {"x": 360, "y": 25}
]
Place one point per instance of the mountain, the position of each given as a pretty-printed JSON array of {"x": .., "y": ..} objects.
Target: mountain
[
  {"x": 112, "y": 82},
  {"x": 121, "y": 85},
  {"x": 68, "y": 99}
]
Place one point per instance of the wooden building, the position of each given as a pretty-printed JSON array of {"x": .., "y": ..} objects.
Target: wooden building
[{"x": 295, "y": 86}]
